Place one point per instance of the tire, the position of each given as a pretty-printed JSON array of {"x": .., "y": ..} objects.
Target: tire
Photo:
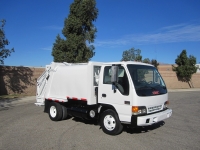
[
  {"x": 64, "y": 112},
  {"x": 55, "y": 111},
  {"x": 110, "y": 123}
]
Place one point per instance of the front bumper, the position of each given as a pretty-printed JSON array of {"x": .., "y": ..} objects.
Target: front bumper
[{"x": 150, "y": 119}]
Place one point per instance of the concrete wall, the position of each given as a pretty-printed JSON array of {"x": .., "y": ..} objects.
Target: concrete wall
[
  {"x": 173, "y": 82},
  {"x": 22, "y": 80}
]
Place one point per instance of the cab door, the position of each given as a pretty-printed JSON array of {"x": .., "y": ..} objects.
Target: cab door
[{"x": 119, "y": 95}]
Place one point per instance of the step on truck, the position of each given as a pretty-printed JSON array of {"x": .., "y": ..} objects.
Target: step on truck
[{"x": 115, "y": 94}]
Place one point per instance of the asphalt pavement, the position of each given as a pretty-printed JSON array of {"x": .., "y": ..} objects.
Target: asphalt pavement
[
  {"x": 6, "y": 103},
  {"x": 28, "y": 127}
]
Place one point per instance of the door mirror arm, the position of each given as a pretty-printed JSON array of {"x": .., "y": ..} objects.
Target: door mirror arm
[{"x": 114, "y": 77}]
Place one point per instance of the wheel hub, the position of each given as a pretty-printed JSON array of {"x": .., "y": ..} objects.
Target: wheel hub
[
  {"x": 53, "y": 111},
  {"x": 109, "y": 122}
]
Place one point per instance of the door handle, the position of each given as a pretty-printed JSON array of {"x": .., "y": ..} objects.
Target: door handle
[{"x": 103, "y": 95}]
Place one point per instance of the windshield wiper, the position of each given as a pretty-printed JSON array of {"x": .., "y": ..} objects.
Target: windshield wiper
[
  {"x": 160, "y": 86},
  {"x": 144, "y": 87}
]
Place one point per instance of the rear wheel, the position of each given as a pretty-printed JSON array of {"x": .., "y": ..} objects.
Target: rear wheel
[
  {"x": 64, "y": 111},
  {"x": 110, "y": 122},
  {"x": 55, "y": 111}
]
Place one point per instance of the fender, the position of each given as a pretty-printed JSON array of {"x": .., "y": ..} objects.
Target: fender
[{"x": 103, "y": 107}]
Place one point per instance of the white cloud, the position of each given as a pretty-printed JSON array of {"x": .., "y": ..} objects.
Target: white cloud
[
  {"x": 53, "y": 27},
  {"x": 168, "y": 34},
  {"x": 47, "y": 48}
]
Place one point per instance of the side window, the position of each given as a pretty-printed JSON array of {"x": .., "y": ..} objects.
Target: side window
[
  {"x": 107, "y": 75},
  {"x": 96, "y": 75},
  {"x": 123, "y": 83}
]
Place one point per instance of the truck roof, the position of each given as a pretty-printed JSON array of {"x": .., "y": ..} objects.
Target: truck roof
[
  {"x": 54, "y": 64},
  {"x": 128, "y": 62}
]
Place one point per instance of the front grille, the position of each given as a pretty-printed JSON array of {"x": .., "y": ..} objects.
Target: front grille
[{"x": 154, "y": 108}]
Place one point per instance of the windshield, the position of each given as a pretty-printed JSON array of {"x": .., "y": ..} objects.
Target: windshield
[{"x": 147, "y": 80}]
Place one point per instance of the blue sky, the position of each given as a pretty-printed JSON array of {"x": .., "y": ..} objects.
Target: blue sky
[{"x": 160, "y": 28}]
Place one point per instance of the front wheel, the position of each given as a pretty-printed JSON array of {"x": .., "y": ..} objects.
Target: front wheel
[{"x": 110, "y": 122}]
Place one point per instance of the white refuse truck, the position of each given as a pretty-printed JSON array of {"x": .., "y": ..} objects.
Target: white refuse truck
[{"x": 115, "y": 94}]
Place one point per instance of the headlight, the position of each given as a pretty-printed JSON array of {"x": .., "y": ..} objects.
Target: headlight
[{"x": 139, "y": 110}]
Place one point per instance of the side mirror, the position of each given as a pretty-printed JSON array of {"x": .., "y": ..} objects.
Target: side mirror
[{"x": 114, "y": 74}]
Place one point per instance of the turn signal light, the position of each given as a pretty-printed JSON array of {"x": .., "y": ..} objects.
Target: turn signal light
[{"x": 135, "y": 109}]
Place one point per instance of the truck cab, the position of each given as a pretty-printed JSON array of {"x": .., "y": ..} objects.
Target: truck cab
[{"x": 138, "y": 94}]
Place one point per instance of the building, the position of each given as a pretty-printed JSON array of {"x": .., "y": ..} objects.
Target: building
[{"x": 198, "y": 68}]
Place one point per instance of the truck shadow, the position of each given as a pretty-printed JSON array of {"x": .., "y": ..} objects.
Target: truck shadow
[
  {"x": 127, "y": 129},
  {"x": 143, "y": 129},
  {"x": 90, "y": 122}
]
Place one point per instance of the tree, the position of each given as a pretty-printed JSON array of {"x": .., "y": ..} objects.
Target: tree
[
  {"x": 138, "y": 58},
  {"x": 146, "y": 60},
  {"x": 79, "y": 32},
  {"x": 4, "y": 52},
  {"x": 155, "y": 63},
  {"x": 58, "y": 50},
  {"x": 131, "y": 55},
  {"x": 185, "y": 67}
]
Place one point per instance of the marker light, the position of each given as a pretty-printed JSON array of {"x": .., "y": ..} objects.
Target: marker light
[{"x": 166, "y": 105}]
